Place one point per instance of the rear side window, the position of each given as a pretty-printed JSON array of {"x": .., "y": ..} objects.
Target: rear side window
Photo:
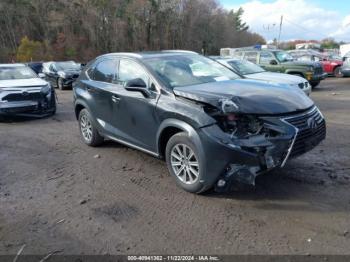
[
  {"x": 265, "y": 58},
  {"x": 105, "y": 71},
  {"x": 251, "y": 56}
]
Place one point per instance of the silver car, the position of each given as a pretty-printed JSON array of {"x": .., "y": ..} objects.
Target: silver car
[
  {"x": 253, "y": 71},
  {"x": 24, "y": 93}
]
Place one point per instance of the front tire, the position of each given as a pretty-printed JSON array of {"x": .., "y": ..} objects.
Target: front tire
[
  {"x": 185, "y": 163},
  {"x": 88, "y": 131},
  {"x": 60, "y": 84}
]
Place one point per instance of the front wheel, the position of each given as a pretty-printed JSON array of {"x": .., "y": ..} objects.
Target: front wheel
[
  {"x": 185, "y": 163},
  {"x": 60, "y": 84},
  {"x": 88, "y": 131}
]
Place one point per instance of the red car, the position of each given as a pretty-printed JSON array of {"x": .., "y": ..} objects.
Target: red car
[{"x": 331, "y": 64}]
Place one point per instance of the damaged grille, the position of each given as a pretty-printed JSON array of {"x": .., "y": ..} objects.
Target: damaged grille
[
  {"x": 312, "y": 130},
  {"x": 23, "y": 97}
]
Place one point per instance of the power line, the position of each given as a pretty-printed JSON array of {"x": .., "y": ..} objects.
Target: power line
[{"x": 305, "y": 29}]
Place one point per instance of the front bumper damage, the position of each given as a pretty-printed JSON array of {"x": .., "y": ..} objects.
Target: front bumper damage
[
  {"x": 242, "y": 160},
  {"x": 33, "y": 104}
]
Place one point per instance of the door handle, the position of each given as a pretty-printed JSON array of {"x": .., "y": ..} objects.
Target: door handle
[{"x": 115, "y": 99}]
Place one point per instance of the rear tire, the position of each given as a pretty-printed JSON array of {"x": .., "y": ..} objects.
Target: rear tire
[
  {"x": 314, "y": 84},
  {"x": 185, "y": 163},
  {"x": 88, "y": 131},
  {"x": 337, "y": 72}
]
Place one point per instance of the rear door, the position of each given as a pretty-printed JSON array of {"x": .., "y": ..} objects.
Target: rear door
[
  {"x": 135, "y": 115},
  {"x": 101, "y": 88}
]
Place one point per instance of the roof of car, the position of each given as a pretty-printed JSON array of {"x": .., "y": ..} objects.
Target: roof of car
[
  {"x": 12, "y": 65},
  {"x": 150, "y": 54}
]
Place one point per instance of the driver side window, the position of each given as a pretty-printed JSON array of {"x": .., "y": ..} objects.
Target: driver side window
[{"x": 129, "y": 70}]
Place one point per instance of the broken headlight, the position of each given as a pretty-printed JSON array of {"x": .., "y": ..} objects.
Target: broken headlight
[
  {"x": 241, "y": 125},
  {"x": 46, "y": 89}
]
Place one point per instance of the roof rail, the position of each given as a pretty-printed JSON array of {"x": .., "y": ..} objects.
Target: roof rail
[
  {"x": 179, "y": 51},
  {"x": 122, "y": 53}
]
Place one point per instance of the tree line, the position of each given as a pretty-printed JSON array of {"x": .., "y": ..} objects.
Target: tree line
[{"x": 82, "y": 29}]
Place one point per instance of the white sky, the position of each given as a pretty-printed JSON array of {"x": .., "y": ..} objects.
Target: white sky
[{"x": 302, "y": 19}]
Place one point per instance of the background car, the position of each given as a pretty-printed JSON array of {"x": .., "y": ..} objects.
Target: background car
[
  {"x": 61, "y": 74},
  {"x": 37, "y": 67},
  {"x": 331, "y": 64},
  {"x": 275, "y": 60},
  {"x": 212, "y": 127},
  {"x": 345, "y": 69},
  {"x": 23, "y": 93},
  {"x": 253, "y": 71}
]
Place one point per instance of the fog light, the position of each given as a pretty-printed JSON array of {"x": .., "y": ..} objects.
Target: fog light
[{"x": 221, "y": 183}]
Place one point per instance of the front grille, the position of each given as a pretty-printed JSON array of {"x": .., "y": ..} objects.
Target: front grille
[
  {"x": 312, "y": 130},
  {"x": 23, "y": 97}
]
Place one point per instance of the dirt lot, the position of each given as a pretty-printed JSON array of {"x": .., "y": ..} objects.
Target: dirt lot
[{"x": 56, "y": 196}]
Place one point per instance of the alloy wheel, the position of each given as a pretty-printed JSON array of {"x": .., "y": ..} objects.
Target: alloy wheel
[
  {"x": 86, "y": 128},
  {"x": 184, "y": 163}
]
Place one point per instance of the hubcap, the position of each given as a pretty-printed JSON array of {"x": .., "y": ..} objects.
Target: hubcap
[
  {"x": 184, "y": 163},
  {"x": 86, "y": 128}
]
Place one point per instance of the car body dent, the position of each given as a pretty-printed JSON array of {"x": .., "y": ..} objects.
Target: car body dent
[{"x": 252, "y": 97}]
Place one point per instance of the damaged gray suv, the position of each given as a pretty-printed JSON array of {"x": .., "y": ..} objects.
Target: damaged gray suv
[{"x": 212, "y": 127}]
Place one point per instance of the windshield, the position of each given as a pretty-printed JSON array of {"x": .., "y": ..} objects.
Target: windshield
[
  {"x": 245, "y": 67},
  {"x": 283, "y": 56},
  {"x": 11, "y": 73},
  {"x": 186, "y": 70},
  {"x": 67, "y": 66}
]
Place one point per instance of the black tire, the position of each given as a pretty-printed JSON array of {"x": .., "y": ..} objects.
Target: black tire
[
  {"x": 60, "y": 84},
  {"x": 94, "y": 138},
  {"x": 180, "y": 139},
  {"x": 337, "y": 72},
  {"x": 53, "y": 103},
  {"x": 314, "y": 84}
]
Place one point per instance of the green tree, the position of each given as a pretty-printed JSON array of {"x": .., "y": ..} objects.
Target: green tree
[
  {"x": 29, "y": 50},
  {"x": 239, "y": 25}
]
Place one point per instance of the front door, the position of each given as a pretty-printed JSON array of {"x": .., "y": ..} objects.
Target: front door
[
  {"x": 265, "y": 62},
  {"x": 135, "y": 114}
]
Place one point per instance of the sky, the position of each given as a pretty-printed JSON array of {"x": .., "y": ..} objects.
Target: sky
[{"x": 302, "y": 19}]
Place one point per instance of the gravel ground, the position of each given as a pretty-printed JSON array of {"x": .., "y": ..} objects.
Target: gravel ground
[{"x": 57, "y": 194}]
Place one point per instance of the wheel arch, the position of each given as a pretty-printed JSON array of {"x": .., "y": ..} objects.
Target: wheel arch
[
  {"x": 78, "y": 106},
  {"x": 170, "y": 127}
]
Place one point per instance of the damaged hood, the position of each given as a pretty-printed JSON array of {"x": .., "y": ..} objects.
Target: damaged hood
[
  {"x": 248, "y": 96},
  {"x": 32, "y": 82}
]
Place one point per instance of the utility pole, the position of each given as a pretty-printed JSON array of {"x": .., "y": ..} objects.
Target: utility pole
[{"x": 279, "y": 34}]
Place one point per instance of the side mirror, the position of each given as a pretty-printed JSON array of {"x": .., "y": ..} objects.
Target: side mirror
[
  {"x": 41, "y": 75},
  {"x": 273, "y": 62},
  {"x": 137, "y": 85}
]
